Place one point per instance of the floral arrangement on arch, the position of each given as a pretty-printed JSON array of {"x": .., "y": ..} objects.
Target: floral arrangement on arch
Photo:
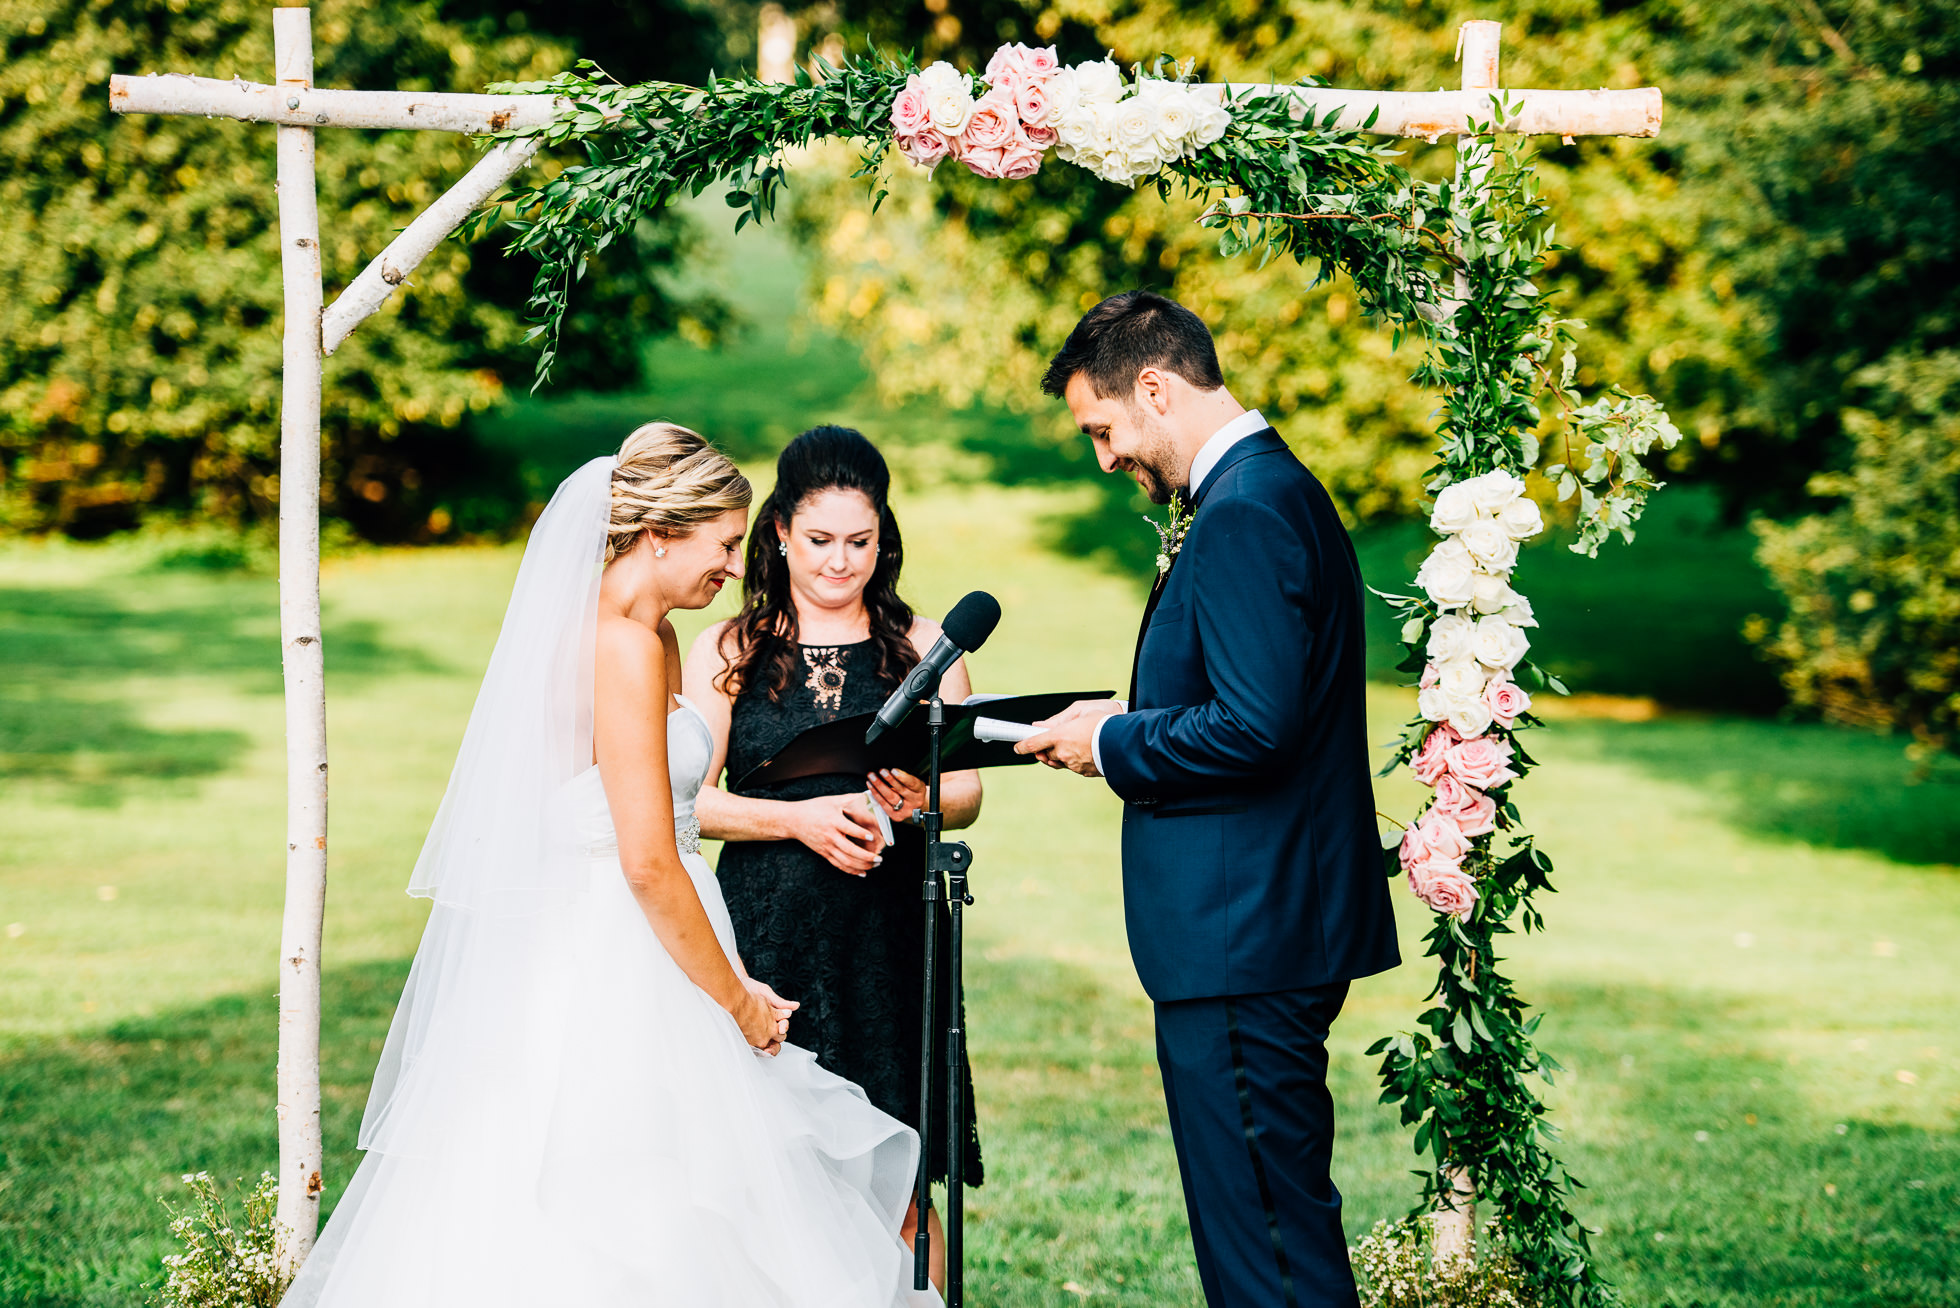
[
  {"x": 1088, "y": 114},
  {"x": 1476, "y": 640}
]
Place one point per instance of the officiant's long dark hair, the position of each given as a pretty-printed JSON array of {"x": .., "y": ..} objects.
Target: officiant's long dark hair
[{"x": 763, "y": 635}]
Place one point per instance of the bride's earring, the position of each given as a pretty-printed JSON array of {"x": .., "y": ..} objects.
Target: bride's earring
[
  {"x": 782, "y": 548},
  {"x": 660, "y": 551}
]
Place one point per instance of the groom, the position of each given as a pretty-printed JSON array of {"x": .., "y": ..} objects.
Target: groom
[{"x": 1252, "y": 871}]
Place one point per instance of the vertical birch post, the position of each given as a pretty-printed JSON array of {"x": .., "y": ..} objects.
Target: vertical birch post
[
  {"x": 303, "y": 658},
  {"x": 1477, "y": 46}
]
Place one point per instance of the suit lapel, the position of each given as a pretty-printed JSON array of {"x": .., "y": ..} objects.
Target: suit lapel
[
  {"x": 1258, "y": 443},
  {"x": 1149, "y": 607}
]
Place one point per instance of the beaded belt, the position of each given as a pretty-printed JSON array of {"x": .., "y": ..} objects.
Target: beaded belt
[{"x": 687, "y": 834}]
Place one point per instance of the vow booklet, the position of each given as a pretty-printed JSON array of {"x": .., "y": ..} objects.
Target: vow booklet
[{"x": 981, "y": 733}]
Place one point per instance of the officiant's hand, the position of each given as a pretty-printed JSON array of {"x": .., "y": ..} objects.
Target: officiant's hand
[
  {"x": 842, "y": 830},
  {"x": 901, "y": 793},
  {"x": 1067, "y": 740}
]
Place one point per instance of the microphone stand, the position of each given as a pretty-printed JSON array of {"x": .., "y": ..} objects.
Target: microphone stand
[{"x": 947, "y": 861}]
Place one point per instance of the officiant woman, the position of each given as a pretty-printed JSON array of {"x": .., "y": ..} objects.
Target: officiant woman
[{"x": 823, "y": 911}]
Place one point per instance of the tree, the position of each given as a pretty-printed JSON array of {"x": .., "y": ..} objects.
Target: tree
[
  {"x": 1873, "y": 634},
  {"x": 139, "y": 283},
  {"x": 1819, "y": 157}
]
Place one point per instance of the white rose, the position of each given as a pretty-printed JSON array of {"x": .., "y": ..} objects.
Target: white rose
[
  {"x": 1135, "y": 125},
  {"x": 1452, "y": 639},
  {"x": 1113, "y": 167},
  {"x": 1454, "y": 509},
  {"x": 1519, "y": 612},
  {"x": 1172, "y": 108},
  {"x": 1465, "y": 680},
  {"x": 1494, "y": 490},
  {"x": 1491, "y": 594},
  {"x": 1209, "y": 120},
  {"x": 1489, "y": 545},
  {"x": 1521, "y": 519},
  {"x": 1447, "y": 575},
  {"x": 1470, "y": 717},
  {"x": 1098, "y": 83},
  {"x": 1076, "y": 130},
  {"x": 1433, "y": 704},
  {"x": 1103, "y": 137},
  {"x": 1499, "y": 644},
  {"x": 1064, "y": 96},
  {"x": 949, "y": 97}
]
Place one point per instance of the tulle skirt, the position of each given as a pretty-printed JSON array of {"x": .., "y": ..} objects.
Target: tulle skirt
[{"x": 591, "y": 1129}]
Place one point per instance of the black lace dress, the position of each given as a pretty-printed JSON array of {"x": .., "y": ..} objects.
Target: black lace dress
[{"x": 849, "y": 949}]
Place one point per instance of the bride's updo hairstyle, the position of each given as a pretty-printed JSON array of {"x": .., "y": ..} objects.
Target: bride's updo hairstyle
[
  {"x": 670, "y": 478},
  {"x": 761, "y": 641}
]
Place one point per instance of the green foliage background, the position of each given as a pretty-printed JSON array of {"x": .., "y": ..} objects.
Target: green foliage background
[{"x": 139, "y": 277}]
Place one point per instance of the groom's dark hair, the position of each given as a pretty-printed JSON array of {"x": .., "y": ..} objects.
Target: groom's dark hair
[{"x": 1127, "y": 333}]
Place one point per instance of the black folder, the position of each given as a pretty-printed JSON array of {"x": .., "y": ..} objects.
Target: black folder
[{"x": 838, "y": 747}]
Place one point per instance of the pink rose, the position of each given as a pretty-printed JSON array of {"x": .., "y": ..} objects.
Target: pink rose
[
  {"x": 1040, "y": 63},
  {"x": 1474, "y": 812},
  {"x": 1431, "y": 674},
  {"x": 1031, "y": 102},
  {"x": 1020, "y": 160},
  {"x": 1431, "y": 761},
  {"x": 992, "y": 126},
  {"x": 926, "y": 148},
  {"x": 1508, "y": 701},
  {"x": 909, "y": 116},
  {"x": 1041, "y": 138},
  {"x": 1445, "y": 887},
  {"x": 1008, "y": 68},
  {"x": 1482, "y": 762},
  {"x": 983, "y": 160},
  {"x": 1434, "y": 837}
]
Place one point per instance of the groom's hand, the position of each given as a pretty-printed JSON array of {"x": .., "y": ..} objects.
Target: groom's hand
[{"x": 1067, "y": 740}]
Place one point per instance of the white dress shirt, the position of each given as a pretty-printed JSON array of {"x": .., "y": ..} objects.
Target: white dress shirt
[{"x": 1249, "y": 423}]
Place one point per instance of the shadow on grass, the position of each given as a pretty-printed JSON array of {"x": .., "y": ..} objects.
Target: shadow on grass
[
  {"x": 93, "y": 1132},
  {"x": 68, "y": 714},
  {"x": 1717, "y": 1180},
  {"x": 1821, "y": 785},
  {"x": 1082, "y": 1183}
]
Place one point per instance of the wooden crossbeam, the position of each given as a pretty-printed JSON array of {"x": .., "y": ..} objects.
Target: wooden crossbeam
[
  {"x": 296, "y": 106},
  {"x": 1435, "y": 114},
  {"x": 1429, "y": 114}
]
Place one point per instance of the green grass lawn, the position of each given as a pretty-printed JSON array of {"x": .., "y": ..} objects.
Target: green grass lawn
[{"x": 1749, "y": 971}]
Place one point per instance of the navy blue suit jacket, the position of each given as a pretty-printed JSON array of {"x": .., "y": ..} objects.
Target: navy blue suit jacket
[{"x": 1251, "y": 861}]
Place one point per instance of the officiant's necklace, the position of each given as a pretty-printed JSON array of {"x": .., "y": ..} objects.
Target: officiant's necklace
[{"x": 1170, "y": 534}]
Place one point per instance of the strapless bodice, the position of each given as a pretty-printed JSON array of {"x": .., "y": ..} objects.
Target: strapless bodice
[{"x": 690, "y": 747}]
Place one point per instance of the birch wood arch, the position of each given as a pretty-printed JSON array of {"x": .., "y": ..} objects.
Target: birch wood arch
[{"x": 314, "y": 329}]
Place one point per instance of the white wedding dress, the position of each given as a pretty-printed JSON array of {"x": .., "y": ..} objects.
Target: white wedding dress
[{"x": 563, "y": 1118}]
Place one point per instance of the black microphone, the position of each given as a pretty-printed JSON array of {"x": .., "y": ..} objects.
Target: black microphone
[{"x": 966, "y": 629}]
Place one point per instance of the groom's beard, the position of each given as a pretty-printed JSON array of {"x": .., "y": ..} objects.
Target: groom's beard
[{"x": 1155, "y": 464}]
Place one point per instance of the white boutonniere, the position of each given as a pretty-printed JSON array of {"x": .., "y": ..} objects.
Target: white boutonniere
[{"x": 1170, "y": 534}]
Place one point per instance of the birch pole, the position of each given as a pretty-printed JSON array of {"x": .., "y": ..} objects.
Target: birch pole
[
  {"x": 1477, "y": 46},
  {"x": 302, "y": 657}
]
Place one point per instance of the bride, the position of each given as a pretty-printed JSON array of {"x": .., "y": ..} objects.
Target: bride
[{"x": 584, "y": 1098}]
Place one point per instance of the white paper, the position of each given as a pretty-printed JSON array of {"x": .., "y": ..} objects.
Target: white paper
[{"x": 995, "y": 729}]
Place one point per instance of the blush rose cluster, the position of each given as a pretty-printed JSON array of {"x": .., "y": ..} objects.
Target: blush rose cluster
[
  {"x": 1088, "y": 114},
  {"x": 1474, "y": 643}
]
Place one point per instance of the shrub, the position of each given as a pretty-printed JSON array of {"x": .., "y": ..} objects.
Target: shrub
[
  {"x": 225, "y": 1264},
  {"x": 1873, "y": 633},
  {"x": 1395, "y": 1268}
]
